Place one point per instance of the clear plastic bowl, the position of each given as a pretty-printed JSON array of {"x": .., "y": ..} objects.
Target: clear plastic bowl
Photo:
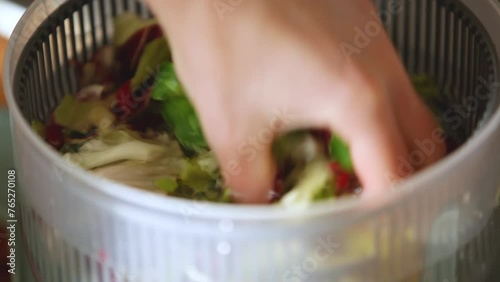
[{"x": 437, "y": 226}]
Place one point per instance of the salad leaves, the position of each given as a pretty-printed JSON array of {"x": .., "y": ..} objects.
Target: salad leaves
[
  {"x": 133, "y": 81},
  {"x": 128, "y": 24},
  {"x": 82, "y": 116},
  {"x": 114, "y": 146},
  {"x": 315, "y": 183},
  {"x": 167, "y": 184},
  {"x": 307, "y": 175},
  {"x": 178, "y": 111},
  {"x": 339, "y": 151},
  {"x": 39, "y": 128},
  {"x": 155, "y": 53}
]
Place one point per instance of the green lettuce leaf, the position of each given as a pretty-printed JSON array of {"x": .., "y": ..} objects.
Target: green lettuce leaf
[
  {"x": 339, "y": 152},
  {"x": 178, "y": 111},
  {"x": 167, "y": 184}
]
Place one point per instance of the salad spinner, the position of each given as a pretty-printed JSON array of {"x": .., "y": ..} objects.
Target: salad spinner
[{"x": 440, "y": 225}]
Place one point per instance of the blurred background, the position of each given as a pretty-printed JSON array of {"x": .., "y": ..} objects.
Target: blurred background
[{"x": 23, "y": 2}]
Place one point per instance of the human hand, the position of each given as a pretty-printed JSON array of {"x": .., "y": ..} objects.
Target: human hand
[{"x": 286, "y": 56}]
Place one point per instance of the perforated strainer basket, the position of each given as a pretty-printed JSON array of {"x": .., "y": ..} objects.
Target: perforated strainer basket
[{"x": 441, "y": 225}]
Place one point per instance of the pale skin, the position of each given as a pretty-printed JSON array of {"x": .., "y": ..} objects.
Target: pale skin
[{"x": 267, "y": 56}]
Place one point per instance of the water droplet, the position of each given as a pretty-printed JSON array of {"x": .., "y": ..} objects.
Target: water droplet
[
  {"x": 224, "y": 248},
  {"x": 226, "y": 225}
]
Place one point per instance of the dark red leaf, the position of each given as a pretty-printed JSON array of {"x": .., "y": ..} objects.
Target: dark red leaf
[
  {"x": 345, "y": 181},
  {"x": 146, "y": 121},
  {"x": 54, "y": 135},
  {"x": 130, "y": 52},
  {"x": 327, "y": 136},
  {"x": 277, "y": 189},
  {"x": 130, "y": 102}
]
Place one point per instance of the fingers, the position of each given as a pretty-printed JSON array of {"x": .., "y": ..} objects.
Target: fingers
[
  {"x": 378, "y": 156},
  {"x": 358, "y": 108},
  {"x": 377, "y": 146},
  {"x": 249, "y": 173},
  {"x": 367, "y": 122},
  {"x": 247, "y": 167},
  {"x": 242, "y": 145},
  {"x": 422, "y": 133},
  {"x": 416, "y": 122}
]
